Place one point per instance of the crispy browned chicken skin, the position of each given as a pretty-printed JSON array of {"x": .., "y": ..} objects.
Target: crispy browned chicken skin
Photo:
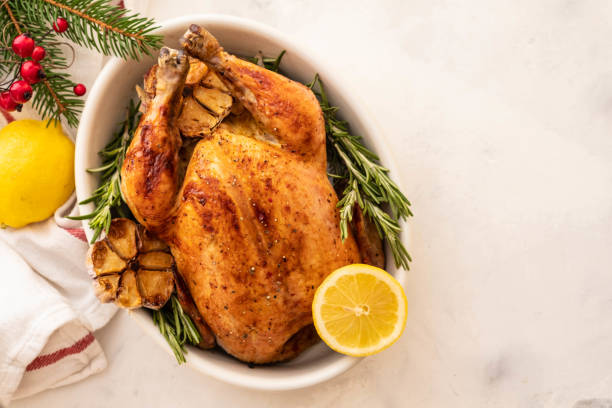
[{"x": 254, "y": 227}]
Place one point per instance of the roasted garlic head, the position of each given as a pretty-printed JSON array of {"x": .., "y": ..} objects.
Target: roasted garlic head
[
  {"x": 131, "y": 267},
  {"x": 206, "y": 99}
]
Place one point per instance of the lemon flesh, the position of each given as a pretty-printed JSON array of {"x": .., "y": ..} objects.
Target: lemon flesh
[
  {"x": 36, "y": 171},
  {"x": 359, "y": 310}
]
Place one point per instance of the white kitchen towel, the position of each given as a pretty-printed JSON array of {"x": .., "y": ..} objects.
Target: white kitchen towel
[
  {"x": 46, "y": 306},
  {"x": 71, "y": 354},
  {"x": 48, "y": 309}
]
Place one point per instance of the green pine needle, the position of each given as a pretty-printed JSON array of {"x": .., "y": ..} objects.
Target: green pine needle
[{"x": 98, "y": 25}]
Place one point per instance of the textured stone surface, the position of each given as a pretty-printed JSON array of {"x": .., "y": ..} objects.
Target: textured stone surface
[{"x": 499, "y": 114}]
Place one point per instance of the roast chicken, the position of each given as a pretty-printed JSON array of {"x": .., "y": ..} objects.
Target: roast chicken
[{"x": 252, "y": 223}]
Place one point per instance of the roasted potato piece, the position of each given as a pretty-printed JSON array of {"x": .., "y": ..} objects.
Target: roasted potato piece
[
  {"x": 155, "y": 260},
  {"x": 106, "y": 287},
  {"x": 195, "y": 120},
  {"x": 197, "y": 70},
  {"x": 128, "y": 295},
  {"x": 155, "y": 287},
  {"x": 122, "y": 238},
  {"x": 149, "y": 242},
  {"x": 105, "y": 260},
  {"x": 215, "y": 100},
  {"x": 212, "y": 80}
]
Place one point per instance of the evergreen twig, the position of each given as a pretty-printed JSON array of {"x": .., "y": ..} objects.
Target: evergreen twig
[{"x": 97, "y": 24}]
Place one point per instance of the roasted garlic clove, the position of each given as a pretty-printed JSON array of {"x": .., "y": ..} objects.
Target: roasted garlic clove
[
  {"x": 122, "y": 238},
  {"x": 144, "y": 99},
  {"x": 128, "y": 295},
  {"x": 215, "y": 100},
  {"x": 244, "y": 124},
  {"x": 150, "y": 81},
  {"x": 106, "y": 287},
  {"x": 105, "y": 260},
  {"x": 155, "y": 260},
  {"x": 212, "y": 80},
  {"x": 195, "y": 120},
  {"x": 149, "y": 242},
  {"x": 155, "y": 287},
  {"x": 197, "y": 71},
  {"x": 114, "y": 261}
]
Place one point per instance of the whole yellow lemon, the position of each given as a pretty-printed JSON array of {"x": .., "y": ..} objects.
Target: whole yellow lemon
[{"x": 36, "y": 171}]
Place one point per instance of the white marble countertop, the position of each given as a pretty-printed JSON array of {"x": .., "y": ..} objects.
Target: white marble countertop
[{"x": 500, "y": 117}]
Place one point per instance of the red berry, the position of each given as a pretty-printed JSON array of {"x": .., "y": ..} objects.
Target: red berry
[
  {"x": 32, "y": 72},
  {"x": 79, "y": 89},
  {"x": 38, "y": 53},
  {"x": 21, "y": 91},
  {"x": 60, "y": 25},
  {"x": 23, "y": 45},
  {"x": 7, "y": 103}
]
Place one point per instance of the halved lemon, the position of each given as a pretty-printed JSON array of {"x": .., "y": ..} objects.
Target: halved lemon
[{"x": 359, "y": 310}]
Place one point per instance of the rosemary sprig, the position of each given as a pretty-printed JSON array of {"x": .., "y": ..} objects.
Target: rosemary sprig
[
  {"x": 273, "y": 63},
  {"x": 176, "y": 327},
  {"x": 350, "y": 163},
  {"x": 367, "y": 182},
  {"x": 107, "y": 197}
]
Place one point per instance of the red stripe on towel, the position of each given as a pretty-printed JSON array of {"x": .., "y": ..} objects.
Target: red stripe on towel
[
  {"x": 77, "y": 233},
  {"x": 48, "y": 359}
]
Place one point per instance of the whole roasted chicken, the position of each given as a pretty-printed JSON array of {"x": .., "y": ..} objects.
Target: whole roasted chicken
[{"x": 252, "y": 225}]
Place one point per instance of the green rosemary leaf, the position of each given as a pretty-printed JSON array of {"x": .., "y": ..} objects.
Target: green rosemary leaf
[
  {"x": 367, "y": 182},
  {"x": 177, "y": 328},
  {"x": 108, "y": 197},
  {"x": 273, "y": 63}
]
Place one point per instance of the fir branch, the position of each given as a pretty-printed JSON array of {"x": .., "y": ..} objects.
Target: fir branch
[
  {"x": 53, "y": 96},
  {"x": 107, "y": 197},
  {"x": 10, "y": 29},
  {"x": 99, "y": 25},
  {"x": 12, "y": 17}
]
